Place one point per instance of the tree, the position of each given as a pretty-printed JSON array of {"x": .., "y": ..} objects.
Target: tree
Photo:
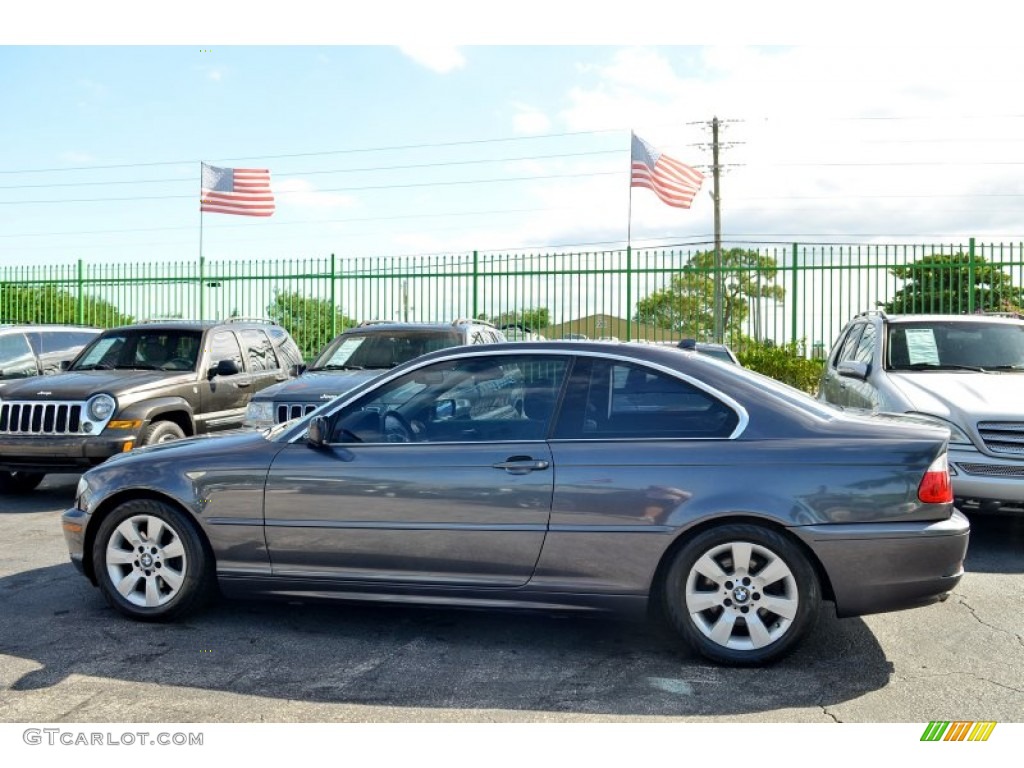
[
  {"x": 50, "y": 304},
  {"x": 534, "y": 318},
  {"x": 687, "y": 305},
  {"x": 308, "y": 320},
  {"x": 947, "y": 283}
]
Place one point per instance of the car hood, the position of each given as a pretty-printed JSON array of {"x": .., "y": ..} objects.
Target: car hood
[
  {"x": 972, "y": 396},
  {"x": 191, "y": 449},
  {"x": 81, "y": 385},
  {"x": 317, "y": 386}
]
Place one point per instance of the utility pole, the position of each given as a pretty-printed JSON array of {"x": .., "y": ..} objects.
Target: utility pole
[{"x": 716, "y": 196}]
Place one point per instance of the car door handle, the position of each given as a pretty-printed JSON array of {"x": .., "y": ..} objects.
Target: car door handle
[{"x": 520, "y": 465}]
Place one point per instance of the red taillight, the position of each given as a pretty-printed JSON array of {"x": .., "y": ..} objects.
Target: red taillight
[{"x": 936, "y": 487}]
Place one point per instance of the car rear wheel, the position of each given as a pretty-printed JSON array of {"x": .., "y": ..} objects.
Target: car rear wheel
[
  {"x": 20, "y": 482},
  {"x": 161, "y": 432},
  {"x": 150, "y": 562},
  {"x": 741, "y": 594}
]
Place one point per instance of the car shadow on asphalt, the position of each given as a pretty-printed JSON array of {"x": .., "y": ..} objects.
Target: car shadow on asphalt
[
  {"x": 420, "y": 657},
  {"x": 996, "y": 544}
]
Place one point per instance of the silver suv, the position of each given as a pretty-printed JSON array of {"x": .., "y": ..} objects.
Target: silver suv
[
  {"x": 965, "y": 372},
  {"x": 358, "y": 355},
  {"x": 36, "y": 350}
]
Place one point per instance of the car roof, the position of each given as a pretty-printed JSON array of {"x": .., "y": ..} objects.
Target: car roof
[
  {"x": 20, "y": 327},
  {"x": 934, "y": 318}
]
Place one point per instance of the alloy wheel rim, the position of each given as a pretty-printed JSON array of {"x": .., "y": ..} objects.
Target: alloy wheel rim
[
  {"x": 741, "y": 596},
  {"x": 146, "y": 561}
]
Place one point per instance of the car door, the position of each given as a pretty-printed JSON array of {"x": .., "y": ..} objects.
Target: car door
[
  {"x": 224, "y": 397},
  {"x": 835, "y": 388},
  {"x": 441, "y": 476}
]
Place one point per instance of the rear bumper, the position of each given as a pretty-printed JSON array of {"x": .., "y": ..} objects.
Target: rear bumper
[
  {"x": 886, "y": 567},
  {"x": 55, "y": 454}
]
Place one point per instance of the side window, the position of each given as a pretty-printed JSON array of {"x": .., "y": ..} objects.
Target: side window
[
  {"x": 865, "y": 350},
  {"x": 224, "y": 346},
  {"x": 498, "y": 398},
  {"x": 259, "y": 352},
  {"x": 846, "y": 349},
  {"x": 16, "y": 357},
  {"x": 621, "y": 400},
  {"x": 60, "y": 341}
]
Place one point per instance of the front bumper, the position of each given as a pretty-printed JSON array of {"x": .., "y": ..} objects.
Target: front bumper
[
  {"x": 986, "y": 483},
  {"x": 878, "y": 567},
  {"x": 68, "y": 453},
  {"x": 73, "y": 521}
]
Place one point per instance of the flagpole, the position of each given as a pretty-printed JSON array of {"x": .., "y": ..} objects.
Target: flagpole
[
  {"x": 200, "y": 240},
  {"x": 629, "y": 249}
]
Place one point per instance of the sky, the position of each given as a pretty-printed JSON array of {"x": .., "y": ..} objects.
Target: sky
[{"x": 431, "y": 144}]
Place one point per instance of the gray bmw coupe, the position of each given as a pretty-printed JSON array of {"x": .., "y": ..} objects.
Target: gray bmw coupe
[{"x": 562, "y": 475}]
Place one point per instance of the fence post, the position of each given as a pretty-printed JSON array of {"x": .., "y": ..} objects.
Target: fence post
[
  {"x": 331, "y": 305},
  {"x": 793, "y": 288},
  {"x": 202, "y": 279},
  {"x": 80, "y": 303},
  {"x": 476, "y": 279},
  {"x": 970, "y": 277},
  {"x": 629, "y": 292}
]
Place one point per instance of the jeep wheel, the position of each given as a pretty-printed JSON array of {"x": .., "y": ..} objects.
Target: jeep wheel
[
  {"x": 20, "y": 482},
  {"x": 160, "y": 432}
]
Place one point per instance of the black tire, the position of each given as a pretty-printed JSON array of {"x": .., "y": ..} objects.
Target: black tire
[
  {"x": 150, "y": 563},
  {"x": 160, "y": 432},
  {"x": 20, "y": 482},
  {"x": 735, "y": 614}
]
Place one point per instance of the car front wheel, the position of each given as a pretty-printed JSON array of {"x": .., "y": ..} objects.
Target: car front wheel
[
  {"x": 161, "y": 432},
  {"x": 741, "y": 594},
  {"x": 150, "y": 562}
]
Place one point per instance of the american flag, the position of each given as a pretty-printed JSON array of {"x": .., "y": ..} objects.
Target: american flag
[
  {"x": 673, "y": 182},
  {"x": 242, "y": 191}
]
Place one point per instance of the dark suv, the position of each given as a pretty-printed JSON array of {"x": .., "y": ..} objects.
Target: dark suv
[
  {"x": 357, "y": 355},
  {"x": 35, "y": 350},
  {"x": 138, "y": 385}
]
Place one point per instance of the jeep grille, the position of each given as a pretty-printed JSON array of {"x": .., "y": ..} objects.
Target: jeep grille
[
  {"x": 40, "y": 418},
  {"x": 1003, "y": 436},
  {"x": 289, "y": 411}
]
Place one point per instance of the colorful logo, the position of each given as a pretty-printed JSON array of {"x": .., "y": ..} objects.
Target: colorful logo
[{"x": 943, "y": 730}]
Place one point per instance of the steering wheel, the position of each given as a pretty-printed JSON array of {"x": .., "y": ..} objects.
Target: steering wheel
[
  {"x": 397, "y": 428},
  {"x": 177, "y": 364}
]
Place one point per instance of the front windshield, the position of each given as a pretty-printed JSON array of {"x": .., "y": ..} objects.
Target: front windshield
[
  {"x": 381, "y": 350},
  {"x": 141, "y": 349},
  {"x": 952, "y": 345}
]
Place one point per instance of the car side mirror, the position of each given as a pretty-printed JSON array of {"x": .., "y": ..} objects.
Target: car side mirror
[
  {"x": 297, "y": 370},
  {"x": 853, "y": 369},
  {"x": 225, "y": 368},
  {"x": 65, "y": 365},
  {"x": 316, "y": 432}
]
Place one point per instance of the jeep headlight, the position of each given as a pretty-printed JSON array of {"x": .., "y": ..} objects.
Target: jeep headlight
[
  {"x": 101, "y": 407},
  {"x": 259, "y": 414},
  {"x": 956, "y": 435}
]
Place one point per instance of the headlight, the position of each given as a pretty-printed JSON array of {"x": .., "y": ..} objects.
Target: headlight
[
  {"x": 259, "y": 414},
  {"x": 956, "y": 435},
  {"x": 101, "y": 407}
]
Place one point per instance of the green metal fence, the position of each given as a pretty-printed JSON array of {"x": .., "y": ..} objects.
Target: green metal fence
[{"x": 782, "y": 293}]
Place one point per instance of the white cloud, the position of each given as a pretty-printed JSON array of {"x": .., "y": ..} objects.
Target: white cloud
[
  {"x": 441, "y": 59},
  {"x": 530, "y": 120},
  {"x": 299, "y": 193}
]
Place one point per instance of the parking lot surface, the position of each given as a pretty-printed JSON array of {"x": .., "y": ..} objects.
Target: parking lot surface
[{"x": 66, "y": 657}]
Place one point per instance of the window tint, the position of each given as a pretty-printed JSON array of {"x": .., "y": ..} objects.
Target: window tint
[
  {"x": 849, "y": 344},
  {"x": 224, "y": 346},
  {"x": 16, "y": 357},
  {"x": 491, "y": 399},
  {"x": 620, "y": 400},
  {"x": 258, "y": 350},
  {"x": 865, "y": 350},
  {"x": 60, "y": 341}
]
